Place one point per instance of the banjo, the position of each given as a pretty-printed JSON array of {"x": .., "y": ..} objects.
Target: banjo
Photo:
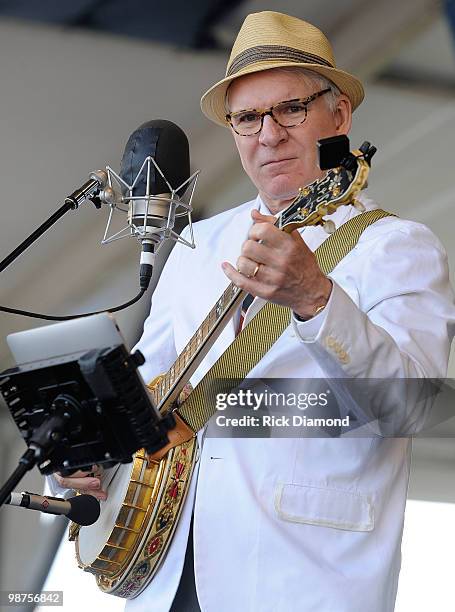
[{"x": 128, "y": 543}]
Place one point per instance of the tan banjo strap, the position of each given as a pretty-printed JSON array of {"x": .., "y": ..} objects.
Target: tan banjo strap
[{"x": 265, "y": 328}]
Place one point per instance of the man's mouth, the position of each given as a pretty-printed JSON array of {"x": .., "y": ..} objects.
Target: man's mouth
[{"x": 275, "y": 162}]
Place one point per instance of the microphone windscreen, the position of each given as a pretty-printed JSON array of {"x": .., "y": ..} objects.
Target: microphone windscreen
[
  {"x": 85, "y": 509},
  {"x": 168, "y": 145}
]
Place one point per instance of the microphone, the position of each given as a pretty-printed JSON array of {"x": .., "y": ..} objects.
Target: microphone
[
  {"x": 155, "y": 184},
  {"x": 81, "y": 509}
]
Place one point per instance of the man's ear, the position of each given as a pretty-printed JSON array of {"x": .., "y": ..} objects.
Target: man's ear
[{"x": 343, "y": 115}]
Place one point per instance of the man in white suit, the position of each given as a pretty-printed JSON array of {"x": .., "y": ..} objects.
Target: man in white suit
[{"x": 300, "y": 524}]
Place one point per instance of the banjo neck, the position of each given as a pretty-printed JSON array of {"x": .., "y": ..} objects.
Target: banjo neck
[{"x": 169, "y": 386}]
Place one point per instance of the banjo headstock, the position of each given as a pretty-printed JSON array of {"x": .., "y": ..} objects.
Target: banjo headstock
[{"x": 338, "y": 187}]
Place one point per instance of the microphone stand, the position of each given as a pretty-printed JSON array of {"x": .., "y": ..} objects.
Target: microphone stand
[
  {"x": 42, "y": 443},
  {"x": 87, "y": 191}
]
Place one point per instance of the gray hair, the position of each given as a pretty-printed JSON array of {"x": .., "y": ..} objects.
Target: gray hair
[
  {"x": 318, "y": 80},
  {"x": 331, "y": 98}
]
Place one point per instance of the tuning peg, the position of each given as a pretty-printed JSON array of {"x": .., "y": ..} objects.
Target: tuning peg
[
  {"x": 358, "y": 205},
  {"x": 329, "y": 226}
]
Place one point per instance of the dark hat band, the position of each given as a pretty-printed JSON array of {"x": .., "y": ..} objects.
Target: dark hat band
[{"x": 273, "y": 52}]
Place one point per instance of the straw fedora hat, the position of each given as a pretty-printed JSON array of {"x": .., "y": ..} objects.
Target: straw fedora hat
[{"x": 273, "y": 40}]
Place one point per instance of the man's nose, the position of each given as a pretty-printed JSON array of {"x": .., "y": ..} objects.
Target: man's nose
[{"x": 272, "y": 133}]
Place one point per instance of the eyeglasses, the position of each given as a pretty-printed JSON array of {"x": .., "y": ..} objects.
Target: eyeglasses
[{"x": 287, "y": 114}]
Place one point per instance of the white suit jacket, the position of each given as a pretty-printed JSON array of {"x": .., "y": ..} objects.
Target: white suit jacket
[{"x": 302, "y": 525}]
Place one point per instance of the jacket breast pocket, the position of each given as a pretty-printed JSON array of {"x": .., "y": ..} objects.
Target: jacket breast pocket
[{"x": 324, "y": 507}]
